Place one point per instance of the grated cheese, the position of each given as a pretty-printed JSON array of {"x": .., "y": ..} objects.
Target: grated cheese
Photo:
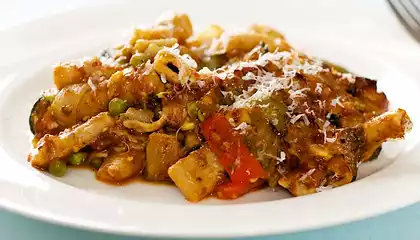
[
  {"x": 91, "y": 85},
  {"x": 163, "y": 78},
  {"x": 298, "y": 93},
  {"x": 318, "y": 88},
  {"x": 225, "y": 93},
  {"x": 324, "y": 131},
  {"x": 249, "y": 76},
  {"x": 148, "y": 67},
  {"x": 242, "y": 127},
  {"x": 307, "y": 174},
  {"x": 336, "y": 101},
  {"x": 320, "y": 103},
  {"x": 282, "y": 156},
  {"x": 201, "y": 84},
  {"x": 294, "y": 119},
  {"x": 349, "y": 77},
  {"x": 279, "y": 159}
]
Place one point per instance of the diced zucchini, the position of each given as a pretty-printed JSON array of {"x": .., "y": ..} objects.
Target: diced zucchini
[
  {"x": 38, "y": 110},
  {"x": 197, "y": 174},
  {"x": 162, "y": 152}
]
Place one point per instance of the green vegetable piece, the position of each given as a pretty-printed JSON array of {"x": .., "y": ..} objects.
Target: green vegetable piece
[
  {"x": 96, "y": 162},
  {"x": 200, "y": 116},
  {"x": 126, "y": 51},
  {"x": 162, "y": 94},
  {"x": 57, "y": 168},
  {"x": 117, "y": 106},
  {"x": 77, "y": 158},
  {"x": 215, "y": 61},
  {"x": 192, "y": 110},
  {"x": 187, "y": 126},
  {"x": 137, "y": 59}
]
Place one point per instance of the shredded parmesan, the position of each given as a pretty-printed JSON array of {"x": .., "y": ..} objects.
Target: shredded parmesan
[
  {"x": 282, "y": 156},
  {"x": 307, "y": 174},
  {"x": 242, "y": 127},
  {"x": 318, "y": 88},
  {"x": 324, "y": 131},
  {"x": 201, "y": 84},
  {"x": 336, "y": 101},
  {"x": 249, "y": 76},
  {"x": 298, "y": 93},
  {"x": 320, "y": 103},
  {"x": 266, "y": 82},
  {"x": 148, "y": 67},
  {"x": 91, "y": 85},
  {"x": 349, "y": 77},
  {"x": 279, "y": 159},
  {"x": 163, "y": 78},
  {"x": 297, "y": 117}
]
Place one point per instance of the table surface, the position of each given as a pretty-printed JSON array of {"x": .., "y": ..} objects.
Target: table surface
[{"x": 403, "y": 224}]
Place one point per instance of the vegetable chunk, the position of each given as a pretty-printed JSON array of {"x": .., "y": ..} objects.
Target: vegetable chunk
[
  {"x": 162, "y": 152},
  {"x": 51, "y": 147},
  {"x": 121, "y": 166},
  {"x": 197, "y": 174}
]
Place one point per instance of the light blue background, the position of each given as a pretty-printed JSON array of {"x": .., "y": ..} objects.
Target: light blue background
[
  {"x": 402, "y": 225},
  {"x": 399, "y": 225}
]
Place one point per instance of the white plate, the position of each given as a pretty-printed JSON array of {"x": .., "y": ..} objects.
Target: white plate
[{"x": 78, "y": 200}]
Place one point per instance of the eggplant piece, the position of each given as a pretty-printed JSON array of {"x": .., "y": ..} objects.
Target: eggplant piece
[
  {"x": 376, "y": 153},
  {"x": 33, "y": 116},
  {"x": 38, "y": 109}
]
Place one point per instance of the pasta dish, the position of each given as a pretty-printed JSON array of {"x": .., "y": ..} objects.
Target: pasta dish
[{"x": 216, "y": 113}]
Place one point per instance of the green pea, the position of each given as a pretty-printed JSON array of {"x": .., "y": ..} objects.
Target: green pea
[
  {"x": 215, "y": 61},
  {"x": 138, "y": 59},
  {"x": 57, "y": 168},
  {"x": 126, "y": 51},
  {"x": 117, "y": 106},
  {"x": 77, "y": 158},
  {"x": 96, "y": 162},
  {"x": 200, "y": 116}
]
